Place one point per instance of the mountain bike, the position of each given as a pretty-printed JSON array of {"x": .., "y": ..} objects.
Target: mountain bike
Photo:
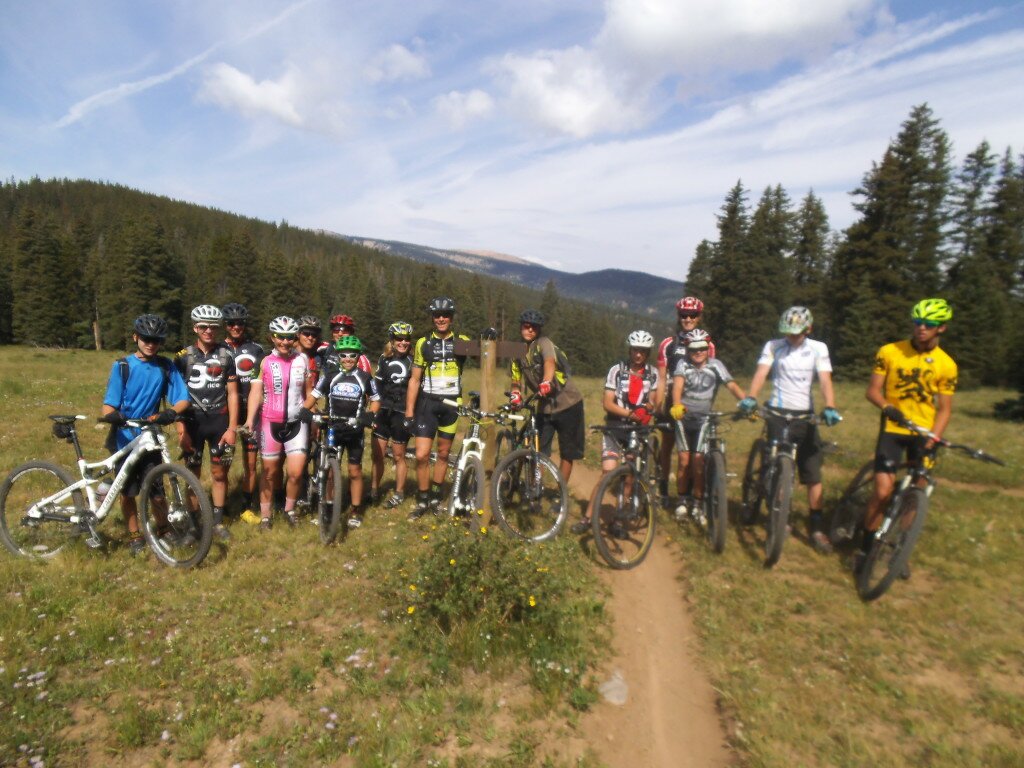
[
  {"x": 529, "y": 497},
  {"x": 622, "y": 520},
  {"x": 325, "y": 483},
  {"x": 469, "y": 482},
  {"x": 903, "y": 519},
  {"x": 42, "y": 507},
  {"x": 713, "y": 513},
  {"x": 769, "y": 477}
]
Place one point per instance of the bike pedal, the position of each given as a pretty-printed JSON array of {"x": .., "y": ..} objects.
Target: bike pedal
[{"x": 94, "y": 541}]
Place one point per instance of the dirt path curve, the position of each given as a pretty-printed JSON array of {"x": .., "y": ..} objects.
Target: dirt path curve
[{"x": 670, "y": 719}]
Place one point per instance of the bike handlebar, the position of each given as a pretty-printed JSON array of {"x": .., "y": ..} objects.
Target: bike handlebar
[{"x": 972, "y": 453}]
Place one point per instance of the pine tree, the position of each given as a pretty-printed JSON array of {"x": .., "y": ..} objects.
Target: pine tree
[
  {"x": 1004, "y": 233},
  {"x": 39, "y": 270},
  {"x": 698, "y": 276},
  {"x": 811, "y": 255},
  {"x": 727, "y": 268}
]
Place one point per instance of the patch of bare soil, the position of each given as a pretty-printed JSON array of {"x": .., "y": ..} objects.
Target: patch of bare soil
[{"x": 670, "y": 717}]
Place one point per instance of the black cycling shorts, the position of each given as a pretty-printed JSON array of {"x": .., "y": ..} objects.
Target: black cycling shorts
[
  {"x": 434, "y": 417},
  {"x": 206, "y": 429},
  {"x": 809, "y": 455},
  {"x": 391, "y": 426},
  {"x": 349, "y": 441},
  {"x": 134, "y": 483},
  {"x": 890, "y": 449},
  {"x": 569, "y": 426},
  {"x": 689, "y": 431}
]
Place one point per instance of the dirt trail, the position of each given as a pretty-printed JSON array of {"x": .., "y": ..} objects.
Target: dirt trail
[{"x": 670, "y": 718}]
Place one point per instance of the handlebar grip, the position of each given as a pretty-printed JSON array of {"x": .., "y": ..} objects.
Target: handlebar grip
[{"x": 453, "y": 403}]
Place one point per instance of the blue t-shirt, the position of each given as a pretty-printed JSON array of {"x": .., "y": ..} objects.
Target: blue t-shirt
[{"x": 139, "y": 396}]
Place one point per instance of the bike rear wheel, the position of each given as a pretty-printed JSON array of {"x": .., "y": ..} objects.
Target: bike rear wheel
[
  {"x": 778, "y": 512},
  {"x": 529, "y": 498},
  {"x": 753, "y": 492},
  {"x": 329, "y": 502},
  {"x": 716, "y": 505},
  {"x": 890, "y": 551},
  {"x": 25, "y": 486},
  {"x": 176, "y": 516},
  {"x": 848, "y": 515},
  {"x": 623, "y": 519},
  {"x": 467, "y": 501}
]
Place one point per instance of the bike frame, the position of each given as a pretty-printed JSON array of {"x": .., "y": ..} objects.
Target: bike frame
[
  {"x": 151, "y": 439},
  {"x": 780, "y": 445}
]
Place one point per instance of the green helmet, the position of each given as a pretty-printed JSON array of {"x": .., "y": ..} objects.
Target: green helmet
[
  {"x": 348, "y": 344},
  {"x": 932, "y": 310},
  {"x": 795, "y": 320},
  {"x": 399, "y": 329}
]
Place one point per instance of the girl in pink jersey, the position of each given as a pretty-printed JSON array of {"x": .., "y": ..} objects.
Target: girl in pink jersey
[{"x": 281, "y": 386}]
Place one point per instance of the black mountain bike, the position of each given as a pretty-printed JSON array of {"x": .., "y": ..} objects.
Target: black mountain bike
[
  {"x": 325, "y": 483},
  {"x": 713, "y": 511}
]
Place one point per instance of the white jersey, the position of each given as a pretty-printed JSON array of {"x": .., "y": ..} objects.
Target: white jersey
[{"x": 793, "y": 370}]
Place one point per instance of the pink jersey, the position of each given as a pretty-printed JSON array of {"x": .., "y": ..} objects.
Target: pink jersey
[{"x": 283, "y": 381}]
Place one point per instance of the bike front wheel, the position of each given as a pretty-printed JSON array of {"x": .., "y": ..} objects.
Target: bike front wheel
[
  {"x": 890, "y": 551},
  {"x": 623, "y": 519},
  {"x": 176, "y": 516},
  {"x": 467, "y": 501},
  {"x": 328, "y": 509},
  {"x": 753, "y": 490},
  {"x": 716, "y": 505},
  {"x": 778, "y": 512},
  {"x": 529, "y": 498},
  {"x": 848, "y": 516},
  {"x": 26, "y": 486}
]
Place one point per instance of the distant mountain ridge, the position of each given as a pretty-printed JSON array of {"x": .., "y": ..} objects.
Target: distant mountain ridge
[{"x": 624, "y": 289}]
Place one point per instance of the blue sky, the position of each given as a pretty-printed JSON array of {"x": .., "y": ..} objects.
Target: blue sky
[{"x": 581, "y": 135}]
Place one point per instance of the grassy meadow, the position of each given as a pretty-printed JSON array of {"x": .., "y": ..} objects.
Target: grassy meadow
[{"x": 423, "y": 645}]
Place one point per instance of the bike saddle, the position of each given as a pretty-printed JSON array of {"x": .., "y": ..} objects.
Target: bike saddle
[{"x": 66, "y": 419}]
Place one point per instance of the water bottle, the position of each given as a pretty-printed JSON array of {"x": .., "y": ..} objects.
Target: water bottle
[{"x": 101, "y": 491}]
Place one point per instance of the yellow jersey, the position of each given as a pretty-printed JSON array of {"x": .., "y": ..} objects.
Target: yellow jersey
[{"x": 912, "y": 381}]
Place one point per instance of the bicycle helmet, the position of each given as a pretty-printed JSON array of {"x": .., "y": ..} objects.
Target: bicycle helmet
[
  {"x": 441, "y": 304},
  {"x": 151, "y": 325},
  {"x": 690, "y": 304},
  {"x": 640, "y": 340},
  {"x": 207, "y": 313},
  {"x": 697, "y": 339},
  {"x": 284, "y": 325},
  {"x": 399, "y": 329},
  {"x": 309, "y": 321},
  {"x": 343, "y": 320},
  {"x": 932, "y": 310},
  {"x": 796, "y": 320},
  {"x": 234, "y": 312},
  {"x": 532, "y": 316},
  {"x": 348, "y": 344}
]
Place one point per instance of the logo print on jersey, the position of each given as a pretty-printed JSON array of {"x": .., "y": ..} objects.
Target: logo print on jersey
[
  {"x": 346, "y": 390},
  {"x": 246, "y": 365},
  {"x": 912, "y": 384},
  {"x": 276, "y": 378},
  {"x": 400, "y": 371},
  {"x": 203, "y": 374}
]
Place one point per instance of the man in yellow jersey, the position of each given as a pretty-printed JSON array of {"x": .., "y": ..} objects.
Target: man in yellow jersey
[
  {"x": 912, "y": 379},
  {"x": 436, "y": 377}
]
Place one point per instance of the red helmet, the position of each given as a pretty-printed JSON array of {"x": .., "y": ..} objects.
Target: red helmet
[
  {"x": 343, "y": 320},
  {"x": 690, "y": 304}
]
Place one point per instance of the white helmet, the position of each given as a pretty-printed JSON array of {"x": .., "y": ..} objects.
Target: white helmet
[
  {"x": 697, "y": 339},
  {"x": 795, "y": 320},
  {"x": 207, "y": 313},
  {"x": 640, "y": 339},
  {"x": 284, "y": 325}
]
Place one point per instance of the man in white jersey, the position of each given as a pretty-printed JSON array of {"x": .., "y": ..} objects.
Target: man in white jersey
[{"x": 793, "y": 363}]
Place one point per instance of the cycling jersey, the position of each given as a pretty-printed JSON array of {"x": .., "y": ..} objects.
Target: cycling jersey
[
  {"x": 442, "y": 368},
  {"x": 138, "y": 396},
  {"x": 632, "y": 390},
  {"x": 393, "y": 380},
  {"x": 283, "y": 380},
  {"x": 912, "y": 381},
  {"x": 793, "y": 370},
  {"x": 530, "y": 371},
  {"x": 248, "y": 355},
  {"x": 347, "y": 392},
  {"x": 207, "y": 375},
  {"x": 700, "y": 385}
]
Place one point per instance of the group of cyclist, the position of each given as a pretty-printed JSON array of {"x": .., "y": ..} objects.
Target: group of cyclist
[{"x": 233, "y": 389}]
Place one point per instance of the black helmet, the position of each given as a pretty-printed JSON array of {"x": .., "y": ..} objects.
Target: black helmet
[
  {"x": 309, "y": 321},
  {"x": 441, "y": 304},
  {"x": 234, "y": 313},
  {"x": 151, "y": 325},
  {"x": 532, "y": 316}
]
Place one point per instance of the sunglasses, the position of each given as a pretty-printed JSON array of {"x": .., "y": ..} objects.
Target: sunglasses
[
  {"x": 341, "y": 327},
  {"x": 349, "y": 355},
  {"x": 688, "y": 315},
  {"x": 927, "y": 323},
  {"x": 235, "y": 323},
  {"x": 443, "y": 314},
  {"x": 203, "y": 327},
  {"x": 310, "y": 333},
  {"x": 402, "y": 340},
  {"x": 284, "y": 336},
  {"x": 151, "y": 339}
]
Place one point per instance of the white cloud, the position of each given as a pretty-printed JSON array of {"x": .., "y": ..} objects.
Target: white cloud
[
  {"x": 458, "y": 107},
  {"x": 397, "y": 63},
  {"x": 226, "y": 86},
  {"x": 571, "y": 92}
]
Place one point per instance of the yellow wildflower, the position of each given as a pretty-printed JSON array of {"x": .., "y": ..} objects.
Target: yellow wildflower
[
  {"x": 533, "y": 601},
  {"x": 411, "y": 609},
  {"x": 412, "y": 587},
  {"x": 452, "y": 561},
  {"x": 425, "y": 536}
]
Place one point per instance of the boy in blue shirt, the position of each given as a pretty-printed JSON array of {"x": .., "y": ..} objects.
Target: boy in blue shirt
[{"x": 151, "y": 378}]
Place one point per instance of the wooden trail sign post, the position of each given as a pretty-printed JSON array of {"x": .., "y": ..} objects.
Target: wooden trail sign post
[{"x": 489, "y": 350}]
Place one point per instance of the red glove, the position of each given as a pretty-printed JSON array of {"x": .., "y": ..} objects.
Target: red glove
[
  {"x": 515, "y": 399},
  {"x": 643, "y": 416},
  {"x": 544, "y": 388}
]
